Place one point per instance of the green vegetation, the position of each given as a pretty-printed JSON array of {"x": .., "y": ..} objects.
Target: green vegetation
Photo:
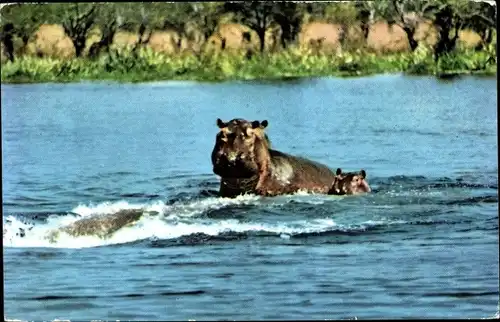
[
  {"x": 146, "y": 65},
  {"x": 193, "y": 55}
]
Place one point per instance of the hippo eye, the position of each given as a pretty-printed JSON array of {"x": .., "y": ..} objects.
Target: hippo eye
[
  {"x": 248, "y": 132},
  {"x": 222, "y": 137}
]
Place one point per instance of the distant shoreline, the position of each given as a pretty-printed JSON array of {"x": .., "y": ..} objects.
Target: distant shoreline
[
  {"x": 449, "y": 75},
  {"x": 147, "y": 66}
]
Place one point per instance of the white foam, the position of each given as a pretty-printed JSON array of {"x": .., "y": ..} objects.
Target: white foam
[
  {"x": 104, "y": 208},
  {"x": 172, "y": 221},
  {"x": 371, "y": 223}
]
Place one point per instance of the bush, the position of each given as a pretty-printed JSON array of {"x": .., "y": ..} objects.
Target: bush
[{"x": 147, "y": 65}]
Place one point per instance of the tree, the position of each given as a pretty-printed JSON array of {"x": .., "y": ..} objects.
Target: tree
[
  {"x": 448, "y": 16},
  {"x": 483, "y": 20},
  {"x": 77, "y": 20},
  {"x": 109, "y": 21},
  {"x": 445, "y": 20},
  {"x": 403, "y": 13},
  {"x": 146, "y": 17},
  {"x": 180, "y": 18},
  {"x": 21, "y": 20},
  {"x": 7, "y": 40},
  {"x": 256, "y": 15},
  {"x": 207, "y": 16},
  {"x": 365, "y": 15},
  {"x": 288, "y": 15},
  {"x": 343, "y": 13},
  {"x": 408, "y": 13},
  {"x": 143, "y": 27},
  {"x": 315, "y": 10},
  {"x": 138, "y": 17}
]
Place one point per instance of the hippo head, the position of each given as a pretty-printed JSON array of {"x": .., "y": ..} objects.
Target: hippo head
[
  {"x": 350, "y": 183},
  {"x": 237, "y": 146}
]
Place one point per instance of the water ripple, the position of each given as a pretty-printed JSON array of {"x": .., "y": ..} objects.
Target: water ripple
[
  {"x": 460, "y": 294},
  {"x": 130, "y": 295}
]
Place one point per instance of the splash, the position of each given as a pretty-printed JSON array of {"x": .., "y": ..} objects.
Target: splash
[
  {"x": 208, "y": 216},
  {"x": 161, "y": 221}
]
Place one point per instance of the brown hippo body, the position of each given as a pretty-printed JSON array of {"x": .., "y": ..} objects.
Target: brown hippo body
[
  {"x": 244, "y": 160},
  {"x": 292, "y": 173}
]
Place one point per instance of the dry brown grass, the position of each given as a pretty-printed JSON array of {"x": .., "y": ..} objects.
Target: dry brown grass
[
  {"x": 241, "y": 37},
  {"x": 426, "y": 32},
  {"x": 124, "y": 39},
  {"x": 320, "y": 34},
  {"x": 469, "y": 38},
  {"x": 50, "y": 40},
  {"x": 3, "y": 54},
  {"x": 164, "y": 41},
  {"x": 234, "y": 36},
  {"x": 353, "y": 38},
  {"x": 168, "y": 42},
  {"x": 383, "y": 37}
]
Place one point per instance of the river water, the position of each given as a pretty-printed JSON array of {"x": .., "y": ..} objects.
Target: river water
[{"x": 424, "y": 244}]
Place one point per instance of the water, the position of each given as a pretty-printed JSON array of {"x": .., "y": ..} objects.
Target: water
[{"x": 424, "y": 244}]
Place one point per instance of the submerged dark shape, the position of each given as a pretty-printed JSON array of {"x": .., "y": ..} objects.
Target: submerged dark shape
[
  {"x": 102, "y": 226},
  {"x": 243, "y": 158},
  {"x": 349, "y": 183}
]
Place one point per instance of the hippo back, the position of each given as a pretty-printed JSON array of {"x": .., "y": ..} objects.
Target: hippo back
[{"x": 300, "y": 173}]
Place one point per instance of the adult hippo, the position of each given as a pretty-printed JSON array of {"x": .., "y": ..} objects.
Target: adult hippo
[
  {"x": 349, "y": 183},
  {"x": 243, "y": 158}
]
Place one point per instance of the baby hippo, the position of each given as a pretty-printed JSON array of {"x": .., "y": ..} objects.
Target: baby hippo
[{"x": 349, "y": 183}]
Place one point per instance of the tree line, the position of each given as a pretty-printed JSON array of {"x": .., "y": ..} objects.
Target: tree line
[{"x": 188, "y": 19}]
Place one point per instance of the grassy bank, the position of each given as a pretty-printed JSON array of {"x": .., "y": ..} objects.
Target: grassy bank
[{"x": 146, "y": 65}]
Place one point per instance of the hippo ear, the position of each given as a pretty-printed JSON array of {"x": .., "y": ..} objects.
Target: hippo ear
[
  {"x": 221, "y": 124},
  {"x": 257, "y": 124},
  {"x": 363, "y": 173},
  {"x": 339, "y": 171}
]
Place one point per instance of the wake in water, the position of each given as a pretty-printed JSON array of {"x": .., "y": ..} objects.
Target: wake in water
[
  {"x": 189, "y": 219},
  {"x": 123, "y": 222}
]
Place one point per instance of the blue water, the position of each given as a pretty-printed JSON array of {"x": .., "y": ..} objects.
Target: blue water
[{"x": 424, "y": 244}]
